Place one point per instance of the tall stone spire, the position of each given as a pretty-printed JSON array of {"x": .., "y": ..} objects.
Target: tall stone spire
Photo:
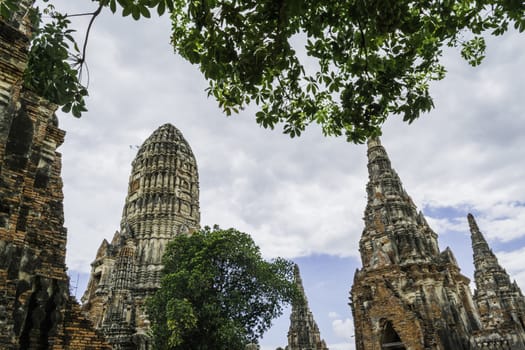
[
  {"x": 162, "y": 202},
  {"x": 395, "y": 232},
  {"x": 303, "y": 333},
  {"x": 484, "y": 259},
  {"x": 500, "y": 302},
  {"x": 407, "y": 295}
]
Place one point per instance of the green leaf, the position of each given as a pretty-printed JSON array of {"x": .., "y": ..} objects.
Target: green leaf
[
  {"x": 161, "y": 8},
  {"x": 135, "y": 12},
  {"x": 145, "y": 12},
  {"x": 126, "y": 11},
  {"x": 113, "y": 6}
]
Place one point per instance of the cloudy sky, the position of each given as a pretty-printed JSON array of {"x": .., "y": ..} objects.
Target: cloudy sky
[{"x": 299, "y": 198}]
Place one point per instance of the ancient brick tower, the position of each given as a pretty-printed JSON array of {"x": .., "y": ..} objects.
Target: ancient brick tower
[
  {"x": 162, "y": 201},
  {"x": 500, "y": 302},
  {"x": 36, "y": 310},
  {"x": 407, "y": 295},
  {"x": 303, "y": 333}
]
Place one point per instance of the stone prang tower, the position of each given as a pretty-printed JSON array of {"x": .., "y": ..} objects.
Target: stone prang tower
[
  {"x": 500, "y": 302},
  {"x": 303, "y": 333},
  {"x": 408, "y": 294},
  {"x": 162, "y": 201}
]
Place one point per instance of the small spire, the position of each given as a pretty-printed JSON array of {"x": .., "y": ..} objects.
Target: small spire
[
  {"x": 378, "y": 161},
  {"x": 299, "y": 282},
  {"x": 102, "y": 249},
  {"x": 480, "y": 246},
  {"x": 473, "y": 225},
  {"x": 303, "y": 332},
  {"x": 493, "y": 285}
]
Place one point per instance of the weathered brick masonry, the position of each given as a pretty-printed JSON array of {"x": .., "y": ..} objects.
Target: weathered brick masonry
[
  {"x": 36, "y": 310},
  {"x": 409, "y": 295}
]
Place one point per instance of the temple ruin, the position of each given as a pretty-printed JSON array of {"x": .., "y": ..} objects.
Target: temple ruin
[
  {"x": 410, "y": 295},
  {"x": 162, "y": 201},
  {"x": 304, "y": 332}
]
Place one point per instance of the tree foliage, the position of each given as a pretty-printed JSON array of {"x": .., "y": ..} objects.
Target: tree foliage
[
  {"x": 371, "y": 58},
  {"x": 375, "y": 58},
  {"x": 54, "y": 63},
  {"x": 217, "y": 293}
]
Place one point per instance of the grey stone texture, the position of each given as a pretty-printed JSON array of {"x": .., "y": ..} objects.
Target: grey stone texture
[
  {"x": 409, "y": 295},
  {"x": 303, "y": 333},
  {"x": 162, "y": 202},
  {"x": 500, "y": 303}
]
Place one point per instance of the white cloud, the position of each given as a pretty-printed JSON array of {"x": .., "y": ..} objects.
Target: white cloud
[
  {"x": 343, "y": 328},
  {"x": 440, "y": 225}
]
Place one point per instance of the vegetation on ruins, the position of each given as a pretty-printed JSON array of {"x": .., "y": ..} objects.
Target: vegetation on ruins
[
  {"x": 217, "y": 292},
  {"x": 372, "y": 58}
]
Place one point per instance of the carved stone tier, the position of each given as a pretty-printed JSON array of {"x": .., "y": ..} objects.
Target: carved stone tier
[
  {"x": 407, "y": 295},
  {"x": 303, "y": 333},
  {"x": 500, "y": 302},
  {"x": 162, "y": 202}
]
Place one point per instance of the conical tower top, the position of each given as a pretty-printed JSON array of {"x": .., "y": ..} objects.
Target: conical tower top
[
  {"x": 165, "y": 139},
  {"x": 494, "y": 287},
  {"x": 483, "y": 256},
  {"x": 299, "y": 283},
  {"x": 373, "y": 141},
  {"x": 378, "y": 161},
  {"x": 163, "y": 193},
  {"x": 304, "y": 332},
  {"x": 389, "y": 212}
]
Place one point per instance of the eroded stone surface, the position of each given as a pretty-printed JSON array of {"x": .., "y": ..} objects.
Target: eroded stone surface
[
  {"x": 409, "y": 295},
  {"x": 36, "y": 310},
  {"x": 162, "y": 201},
  {"x": 303, "y": 333},
  {"x": 500, "y": 302}
]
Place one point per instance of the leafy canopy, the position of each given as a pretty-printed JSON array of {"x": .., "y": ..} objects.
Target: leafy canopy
[
  {"x": 372, "y": 58},
  {"x": 217, "y": 293},
  {"x": 375, "y": 58},
  {"x": 54, "y": 62}
]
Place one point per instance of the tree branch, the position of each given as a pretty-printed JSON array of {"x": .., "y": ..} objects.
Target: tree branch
[{"x": 84, "y": 47}]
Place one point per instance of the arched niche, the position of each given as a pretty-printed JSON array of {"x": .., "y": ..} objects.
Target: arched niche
[{"x": 390, "y": 340}]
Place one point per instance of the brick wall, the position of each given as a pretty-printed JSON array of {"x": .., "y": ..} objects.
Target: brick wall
[{"x": 36, "y": 310}]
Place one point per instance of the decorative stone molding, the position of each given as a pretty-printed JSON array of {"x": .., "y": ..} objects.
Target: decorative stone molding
[{"x": 162, "y": 202}]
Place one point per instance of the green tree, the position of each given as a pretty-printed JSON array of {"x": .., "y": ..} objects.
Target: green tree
[
  {"x": 374, "y": 58},
  {"x": 217, "y": 292}
]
